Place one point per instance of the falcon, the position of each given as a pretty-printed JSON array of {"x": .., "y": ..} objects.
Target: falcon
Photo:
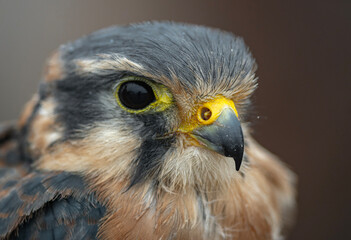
[{"x": 142, "y": 132}]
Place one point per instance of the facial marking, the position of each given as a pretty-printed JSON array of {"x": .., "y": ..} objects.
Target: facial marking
[
  {"x": 103, "y": 64},
  {"x": 107, "y": 152},
  {"x": 44, "y": 130}
]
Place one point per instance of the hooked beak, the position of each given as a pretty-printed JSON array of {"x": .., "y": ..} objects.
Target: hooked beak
[{"x": 218, "y": 129}]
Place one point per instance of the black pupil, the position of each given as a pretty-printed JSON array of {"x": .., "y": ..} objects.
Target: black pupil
[{"x": 136, "y": 94}]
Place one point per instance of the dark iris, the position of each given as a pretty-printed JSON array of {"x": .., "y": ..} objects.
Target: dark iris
[{"x": 136, "y": 94}]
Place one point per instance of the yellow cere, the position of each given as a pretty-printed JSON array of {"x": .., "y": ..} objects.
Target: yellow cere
[
  {"x": 164, "y": 98},
  {"x": 208, "y": 113}
]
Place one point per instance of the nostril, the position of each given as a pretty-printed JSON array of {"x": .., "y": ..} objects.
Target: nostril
[{"x": 206, "y": 114}]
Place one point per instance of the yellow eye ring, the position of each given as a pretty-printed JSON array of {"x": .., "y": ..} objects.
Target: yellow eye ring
[{"x": 141, "y": 95}]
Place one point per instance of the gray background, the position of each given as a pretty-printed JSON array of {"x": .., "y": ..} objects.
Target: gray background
[{"x": 303, "y": 102}]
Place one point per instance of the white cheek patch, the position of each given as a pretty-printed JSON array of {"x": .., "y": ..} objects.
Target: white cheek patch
[{"x": 53, "y": 137}]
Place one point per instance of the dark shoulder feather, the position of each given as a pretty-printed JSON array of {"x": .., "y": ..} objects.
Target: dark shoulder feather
[
  {"x": 49, "y": 206},
  {"x": 9, "y": 148}
]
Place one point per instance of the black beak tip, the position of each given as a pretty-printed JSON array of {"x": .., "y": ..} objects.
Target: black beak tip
[
  {"x": 237, "y": 164},
  {"x": 237, "y": 154}
]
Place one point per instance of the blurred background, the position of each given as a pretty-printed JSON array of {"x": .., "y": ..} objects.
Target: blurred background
[{"x": 303, "y": 105}]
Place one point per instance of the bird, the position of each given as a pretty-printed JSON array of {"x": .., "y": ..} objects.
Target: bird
[{"x": 142, "y": 131}]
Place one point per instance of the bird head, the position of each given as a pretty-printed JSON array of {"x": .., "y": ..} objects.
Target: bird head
[{"x": 162, "y": 103}]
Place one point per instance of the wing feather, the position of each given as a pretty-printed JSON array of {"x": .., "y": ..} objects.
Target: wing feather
[{"x": 48, "y": 206}]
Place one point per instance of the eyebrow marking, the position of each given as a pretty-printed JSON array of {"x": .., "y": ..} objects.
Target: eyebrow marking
[{"x": 103, "y": 64}]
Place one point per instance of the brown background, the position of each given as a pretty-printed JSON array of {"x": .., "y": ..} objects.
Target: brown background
[{"x": 303, "y": 103}]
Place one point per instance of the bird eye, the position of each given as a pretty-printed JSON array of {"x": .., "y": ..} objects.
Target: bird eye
[{"x": 136, "y": 95}]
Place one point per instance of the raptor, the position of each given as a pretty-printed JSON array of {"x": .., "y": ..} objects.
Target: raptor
[{"x": 142, "y": 132}]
